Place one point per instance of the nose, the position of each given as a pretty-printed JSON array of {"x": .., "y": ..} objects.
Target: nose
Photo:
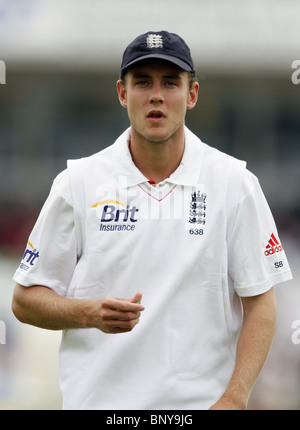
[{"x": 156, "y": 96}]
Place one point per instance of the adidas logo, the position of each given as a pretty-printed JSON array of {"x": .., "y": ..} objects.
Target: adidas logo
[{"x": 273, "y": 246}]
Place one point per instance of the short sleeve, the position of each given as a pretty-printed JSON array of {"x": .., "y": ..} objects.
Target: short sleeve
[
  {"x": 50, "y": 256},
  {"x": 256, "y": 258}
]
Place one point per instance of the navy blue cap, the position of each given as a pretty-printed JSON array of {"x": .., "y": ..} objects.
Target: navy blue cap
[{"x": 158, "y": 44}]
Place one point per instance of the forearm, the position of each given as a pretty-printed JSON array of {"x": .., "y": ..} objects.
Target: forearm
[
  {"x": 252, "y": 349},
  {"x": 42, "y": 307}
]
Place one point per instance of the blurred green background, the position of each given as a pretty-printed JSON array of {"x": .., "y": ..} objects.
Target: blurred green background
[{"x": 62, "y": 61}]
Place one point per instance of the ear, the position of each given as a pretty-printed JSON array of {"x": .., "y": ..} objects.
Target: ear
[
  {"x": 193, "y": 95},
  {"x": 122, "y": 93}
]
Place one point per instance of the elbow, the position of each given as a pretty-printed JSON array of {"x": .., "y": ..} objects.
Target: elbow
[
  {"x": 17, "y": 311},
  {"x": 17, "y": 306}
]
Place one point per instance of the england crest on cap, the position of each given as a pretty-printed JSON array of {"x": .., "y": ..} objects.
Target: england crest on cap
[{"x": 154, "y": 41}]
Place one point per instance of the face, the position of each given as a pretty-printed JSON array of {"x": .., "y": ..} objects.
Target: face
[{"x": 157, "y": 95}]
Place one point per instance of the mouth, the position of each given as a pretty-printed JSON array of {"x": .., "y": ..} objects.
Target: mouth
[{"x": 156, "y": 115}]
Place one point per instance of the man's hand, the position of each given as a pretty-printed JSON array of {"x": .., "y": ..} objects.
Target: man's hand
[{"x": 118, "y": 315}]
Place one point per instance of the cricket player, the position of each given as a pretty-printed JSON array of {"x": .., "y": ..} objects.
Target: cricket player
[{"x": 156, "y": 257}]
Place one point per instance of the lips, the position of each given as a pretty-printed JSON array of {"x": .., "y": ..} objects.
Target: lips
[{"x": 156, "y": 114}]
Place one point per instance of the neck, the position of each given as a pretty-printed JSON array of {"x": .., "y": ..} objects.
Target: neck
[{"x": 157, "y": 160}]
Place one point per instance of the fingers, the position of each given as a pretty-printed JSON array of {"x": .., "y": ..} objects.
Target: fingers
[
  {"x": 123, "y": 305},
  {"x": 137, "y": 298},
  {"x": 109, "y": 314},
  {"x": 120, "y": 315},
  {"x": 120, "y": 326}
]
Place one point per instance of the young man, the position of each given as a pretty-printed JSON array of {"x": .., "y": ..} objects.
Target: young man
[{"x": 157, "y": 257}]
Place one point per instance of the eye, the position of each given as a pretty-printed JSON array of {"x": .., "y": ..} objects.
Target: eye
[
  {"x": 142, "y": 83},
  {"x": 170, "y": 83}
]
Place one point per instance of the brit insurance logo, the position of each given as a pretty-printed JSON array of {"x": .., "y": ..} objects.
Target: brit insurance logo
[
  {"x": 29, "y": 258},
  {"x": 115, "y": 216}
]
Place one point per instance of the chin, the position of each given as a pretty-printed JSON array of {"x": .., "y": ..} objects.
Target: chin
[
  {"x": 157, "y": 139},
  {"x": 157, "y": 136},
  {"x": 154, "y": 134}
]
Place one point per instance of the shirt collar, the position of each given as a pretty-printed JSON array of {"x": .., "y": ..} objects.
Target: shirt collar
[{"x": 187, "y": 172}]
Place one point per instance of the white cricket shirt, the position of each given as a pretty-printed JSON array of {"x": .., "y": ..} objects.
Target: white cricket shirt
[{"x": 193, "y": 245}]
